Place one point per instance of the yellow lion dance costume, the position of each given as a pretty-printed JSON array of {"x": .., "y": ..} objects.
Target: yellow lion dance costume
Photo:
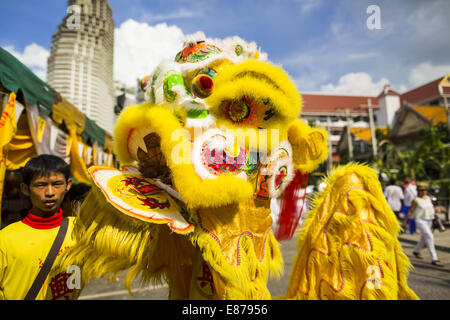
[{"x": 201, "y": 159}]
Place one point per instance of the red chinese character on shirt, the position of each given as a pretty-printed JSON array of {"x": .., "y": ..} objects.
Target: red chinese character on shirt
[{"x": 58, "y": 286}]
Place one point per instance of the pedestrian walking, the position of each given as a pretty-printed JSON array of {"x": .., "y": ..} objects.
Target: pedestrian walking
[
  {"x": 422, "y": 211},
  {"x": 410, "y": 192},
  {"x": 394, "y": 196}
]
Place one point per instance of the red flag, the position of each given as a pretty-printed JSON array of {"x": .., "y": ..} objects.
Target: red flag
[{"x": 292, "y": 206}]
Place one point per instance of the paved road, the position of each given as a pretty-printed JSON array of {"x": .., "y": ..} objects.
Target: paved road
[{"x": 429, "y": 282}]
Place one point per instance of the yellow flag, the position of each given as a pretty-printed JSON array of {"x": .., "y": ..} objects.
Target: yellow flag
[
  {"x": 78, "y": 167},
  {"x": 41, "y": 128},
  {"x": 69, "y": 144},
  {"x": 110, "y": 161},
  {"x": 8, "y": 129}
]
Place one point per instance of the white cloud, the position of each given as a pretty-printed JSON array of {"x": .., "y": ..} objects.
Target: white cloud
[
  {"x": 359, "y": 83},
  {"x": 307, "y": 6},
  {"x": 34, "y": 57},
  {"x": 400, "y": 88},
  {"x": 426, "y": 72},
  {"x": 139, "y": 48}
]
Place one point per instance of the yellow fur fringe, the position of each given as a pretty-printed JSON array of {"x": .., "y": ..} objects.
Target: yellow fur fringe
[
  {"x": 249, "y": 279},
  {"x": 195, "y": 192},
  {"x": 110, "y": 243},
  {"x": 309, "y": 145},
  {"x": 350, "y": 234},
  {"x": 258, "y": 79}
]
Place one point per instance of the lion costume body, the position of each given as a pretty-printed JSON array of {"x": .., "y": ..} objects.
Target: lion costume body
[{"x": 201, "y": 159}]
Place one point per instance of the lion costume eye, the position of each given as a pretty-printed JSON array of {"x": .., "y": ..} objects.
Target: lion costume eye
[
  {"x": 238, "y": 111},
  {"x": 203, "y": 84},
  {"x": 248, "y": 111}
]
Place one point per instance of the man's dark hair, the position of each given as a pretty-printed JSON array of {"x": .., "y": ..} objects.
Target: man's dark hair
[
  {"x": 44, "y": 165},
  {"x": 392, "y": 181}
]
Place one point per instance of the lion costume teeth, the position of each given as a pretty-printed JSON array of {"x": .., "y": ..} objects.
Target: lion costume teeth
[{"x": 217, "y": 139}]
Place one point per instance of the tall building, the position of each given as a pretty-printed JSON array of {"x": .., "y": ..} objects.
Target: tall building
[{"x": 80, "y": 65}]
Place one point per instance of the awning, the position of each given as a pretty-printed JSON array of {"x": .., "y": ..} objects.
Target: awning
[
  {"x": 16, "y": 77},
  {"x": 93, "y": 133},
  {"x": 64, "y": 111}
]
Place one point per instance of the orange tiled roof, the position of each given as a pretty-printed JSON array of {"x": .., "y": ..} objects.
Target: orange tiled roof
[
  {"x": 364, "y": 133},
  {"x": 422, "y": 93},
  {"x": 433, "y": 113},
  {"x": 329, "y": 103}
]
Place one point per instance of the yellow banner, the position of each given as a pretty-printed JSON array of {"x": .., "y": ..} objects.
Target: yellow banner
[
  {"x": 41, "y": 128},
  {"x": 77, "y": 165},
  {"x": 68, "y": 144},
  {"x": 8, "y": 129}
]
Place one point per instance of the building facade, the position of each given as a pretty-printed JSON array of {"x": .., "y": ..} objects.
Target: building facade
[
  {"x": 402, "y": 116},
  {"x": 335, "y": 113},
  {"x": 80, "y": 65},
  {"x": 347, "y": 116}
]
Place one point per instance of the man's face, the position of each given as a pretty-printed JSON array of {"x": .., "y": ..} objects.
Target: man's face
[{"x": 47, "y": 193}]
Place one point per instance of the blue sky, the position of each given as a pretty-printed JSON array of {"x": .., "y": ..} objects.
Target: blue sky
[{"x": 324, "y": 45}]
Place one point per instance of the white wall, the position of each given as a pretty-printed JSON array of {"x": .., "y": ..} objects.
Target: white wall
[{"x": 388, "y": 105}]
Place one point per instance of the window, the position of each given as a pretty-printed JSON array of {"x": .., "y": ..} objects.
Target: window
[{"x": 335, "y": 132}]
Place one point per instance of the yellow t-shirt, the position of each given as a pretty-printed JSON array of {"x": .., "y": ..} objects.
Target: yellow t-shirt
[{"x": 23, "y": 250}]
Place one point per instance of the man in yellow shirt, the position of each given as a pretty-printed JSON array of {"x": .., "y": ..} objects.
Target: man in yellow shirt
[{"x": 24, "y": 245}]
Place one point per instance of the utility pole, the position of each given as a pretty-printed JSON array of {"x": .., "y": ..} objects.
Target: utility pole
[
  {"x": 447, "y": 114},
  {"x": 349, "y": 136},
  {"x": 444, "y": 90},
  {"x": 372, "y": 128}
]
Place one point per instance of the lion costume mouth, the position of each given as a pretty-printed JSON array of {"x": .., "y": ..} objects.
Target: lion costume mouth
[{"x": 215, "y": 154}]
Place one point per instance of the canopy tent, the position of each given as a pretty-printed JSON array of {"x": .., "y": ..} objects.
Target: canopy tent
[
  {"x": 93, "y": 133},
  {"x": 31, "y": 90}
]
